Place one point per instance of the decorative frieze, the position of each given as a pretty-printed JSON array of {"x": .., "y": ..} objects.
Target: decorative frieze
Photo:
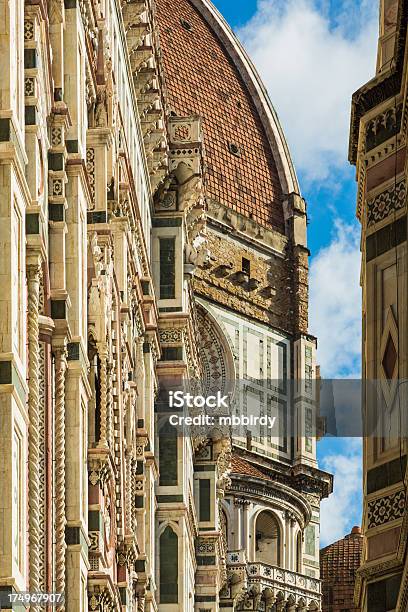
[
  {"x": 171, "y": 336},
  {"x": 383, "y": 127},
  {"x": 385, "y": 509},
  {"x": 386, "y": 203}
]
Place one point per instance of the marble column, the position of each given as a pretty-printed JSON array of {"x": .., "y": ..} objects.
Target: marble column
[
  {"x": 60, "y": 514},
  {"x": 33, "y": 281}
]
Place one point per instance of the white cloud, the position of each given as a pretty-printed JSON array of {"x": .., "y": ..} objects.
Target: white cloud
[
  {"x": 312, "y": 55},
  {"x": 342, "y": 510},
  {"x": 335, "y": 303},
  {"x": 335, "y": 307}
]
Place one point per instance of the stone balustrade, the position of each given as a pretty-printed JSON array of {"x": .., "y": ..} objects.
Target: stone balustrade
[
  {"x": 275, "y": 585},
  {"x": 285, "y": 580}
]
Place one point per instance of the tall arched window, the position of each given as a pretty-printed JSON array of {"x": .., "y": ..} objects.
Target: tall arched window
[
  {"x": 267, "y": 538},
  {"x": 168, "y": 455},
  {"x": 168, "y": 566}
]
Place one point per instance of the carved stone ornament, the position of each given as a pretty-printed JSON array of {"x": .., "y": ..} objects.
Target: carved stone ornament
[
  {"x": 101, "y": 109},
  {"x": 99, "y": 468}
]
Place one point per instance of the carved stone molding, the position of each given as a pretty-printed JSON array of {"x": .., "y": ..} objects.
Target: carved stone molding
[
  {"x": 100, "y": 598},
  {"x": 383, "y": 127},
  {"x": 99, "y": 466}
]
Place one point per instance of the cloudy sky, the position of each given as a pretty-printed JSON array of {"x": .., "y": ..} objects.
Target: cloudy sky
[{"x": 312, "y": 55}]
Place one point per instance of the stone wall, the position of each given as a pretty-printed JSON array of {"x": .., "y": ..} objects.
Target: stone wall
[{"x": 280, "y": 295}]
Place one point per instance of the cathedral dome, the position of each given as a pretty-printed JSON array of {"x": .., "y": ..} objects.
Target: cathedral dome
[
  {"x": 339, "y": 563},
  {"x": 207, "y": 73}
]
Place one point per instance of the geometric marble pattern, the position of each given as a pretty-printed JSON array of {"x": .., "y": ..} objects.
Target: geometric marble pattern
[
  {"x": 390, "y": 358},
  {"x": 386, "y": 509},
  {"x": 387, "y": 202}
]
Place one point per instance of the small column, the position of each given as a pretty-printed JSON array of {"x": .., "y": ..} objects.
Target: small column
[
  {"x": 103, "y": 357},
  {"x": 33, "y": 278},
  {"x": 247, "y": 543},
  {"x": 109, "y": 404},
  {"x": 290, "y": 521},
  {"x": 60, "y": 515},
  {"x": 141, "y": 600},
  {"x": 128, "y": 500}
]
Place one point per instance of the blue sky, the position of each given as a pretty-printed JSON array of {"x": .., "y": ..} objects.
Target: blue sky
[{"x": 312, "y": 55}]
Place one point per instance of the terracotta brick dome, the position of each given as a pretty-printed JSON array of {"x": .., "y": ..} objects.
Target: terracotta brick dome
[
  {"x": 207, "y": 73},
  {"x": 338, "y": 565}
]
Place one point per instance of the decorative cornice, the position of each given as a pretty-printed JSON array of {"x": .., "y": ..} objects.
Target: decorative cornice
[
  {"x": 274, "y": 493},
  {"x": 382, "y": 87}
]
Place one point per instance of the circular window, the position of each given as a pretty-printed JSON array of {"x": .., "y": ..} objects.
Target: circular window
[
  {"x": 234, "y": 149},
  {"x": 186, "y": 25}
]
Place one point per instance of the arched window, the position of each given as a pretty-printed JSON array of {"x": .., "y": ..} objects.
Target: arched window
[
  {"x": 168, "y": 455},
  {"x": 267, "y": 538},
  {"x": 168, "y": 566}
]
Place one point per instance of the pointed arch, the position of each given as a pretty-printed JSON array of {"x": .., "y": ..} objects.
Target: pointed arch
[{"x": 169, "y": 566}]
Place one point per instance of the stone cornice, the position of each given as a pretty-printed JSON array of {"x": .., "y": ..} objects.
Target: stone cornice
[
  {"x": 272, "y": 492},
  {"x": 381, "y": 87}
]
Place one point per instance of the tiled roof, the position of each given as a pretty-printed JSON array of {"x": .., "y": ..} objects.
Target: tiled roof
[
  {"x": 240, "y": 466},
  {"x": 338, "y": 565},
  {"x": 201, "y": 78}
]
